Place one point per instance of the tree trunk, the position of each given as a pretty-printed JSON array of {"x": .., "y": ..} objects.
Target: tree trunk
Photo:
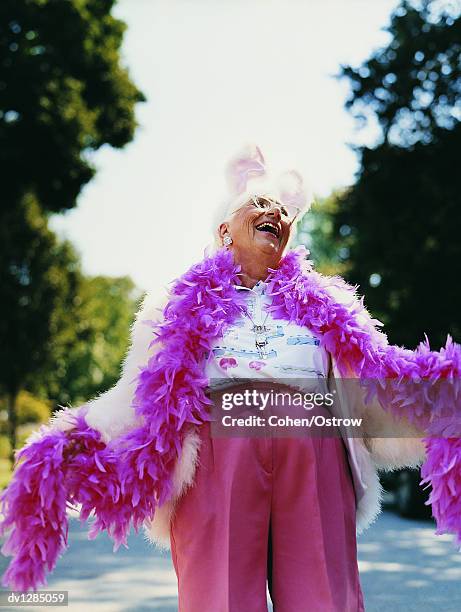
[{"x": 12, "y": 422}]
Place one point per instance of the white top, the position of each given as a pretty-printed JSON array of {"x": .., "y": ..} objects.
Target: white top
[{"x": 291, "y": 352}]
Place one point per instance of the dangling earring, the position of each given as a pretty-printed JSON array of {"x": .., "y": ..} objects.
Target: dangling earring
[{"x": 227, "y": 240}]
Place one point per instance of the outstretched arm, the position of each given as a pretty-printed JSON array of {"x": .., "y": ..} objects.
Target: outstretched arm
[
  {"x": 414, "y": 392},
  {"x": 401, "y": 444},
  {"x": 70, "y": 460}
]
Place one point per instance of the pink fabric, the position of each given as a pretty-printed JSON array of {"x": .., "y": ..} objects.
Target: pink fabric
[{"x": 291, "y": 499}]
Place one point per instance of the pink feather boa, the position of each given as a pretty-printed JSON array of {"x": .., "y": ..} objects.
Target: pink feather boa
[{"x": 124, "y": 481}]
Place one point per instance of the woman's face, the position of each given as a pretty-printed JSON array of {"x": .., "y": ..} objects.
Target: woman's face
[{"x": 259, "y": 231}]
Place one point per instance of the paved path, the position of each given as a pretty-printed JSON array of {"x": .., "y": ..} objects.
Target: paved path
[
  {"x": 98, "y": 580},
  {"x": 404, "y": 567}
]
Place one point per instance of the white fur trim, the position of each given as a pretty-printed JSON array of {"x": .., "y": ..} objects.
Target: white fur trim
[
  {"x": 406, "y": 449},
  {"x": 157, "y": 531},
  {"x": 395, "y": 453},
  {"x": 112, "y": 412},
  {"x": 369, "y": 506}
]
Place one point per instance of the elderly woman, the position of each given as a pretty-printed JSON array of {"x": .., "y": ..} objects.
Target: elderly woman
[
  {"x": 238, "y": 511},
  {"x": 280, "y": 510}
]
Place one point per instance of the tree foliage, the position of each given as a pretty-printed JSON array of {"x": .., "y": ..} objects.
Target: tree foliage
[
  {"x": 63, "y": 94},
  {"x": 403, "y": 214},
  {"x": 64, "y": 335},
  {"x": 92, "y": 340},
  {"x": 70, "y": 331},
  {"x": 316, "y": 231},
  {"x": 29, "y": 408},
  {"x": 38, "y": 278}
]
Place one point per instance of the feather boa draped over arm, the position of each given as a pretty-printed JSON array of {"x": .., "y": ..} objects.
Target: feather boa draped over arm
[
  {"x": 69, "y": 462},
  {"x": 115, "y": 456},
  {"x": 420, "y": 387},
  {"x": 119, "y": 464}
]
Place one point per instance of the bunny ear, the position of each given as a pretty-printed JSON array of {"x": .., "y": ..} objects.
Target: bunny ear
[
  {"x": 248, "y": 164},
  {"x": 292, "y": 190}
]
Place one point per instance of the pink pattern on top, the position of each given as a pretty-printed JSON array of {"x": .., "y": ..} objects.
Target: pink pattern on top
[
  {"x": 256, "y": 365},
  {"x": 227, "y": 362}
]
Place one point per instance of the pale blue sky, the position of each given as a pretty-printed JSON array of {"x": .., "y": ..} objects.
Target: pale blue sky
[{"x": 218, "y": 74}]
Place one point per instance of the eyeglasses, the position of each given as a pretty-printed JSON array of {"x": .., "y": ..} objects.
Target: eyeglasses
[{"x": 289, "y": 211}]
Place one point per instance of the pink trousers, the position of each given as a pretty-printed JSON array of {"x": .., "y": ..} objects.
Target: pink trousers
[{"x": 267, "y": 510}]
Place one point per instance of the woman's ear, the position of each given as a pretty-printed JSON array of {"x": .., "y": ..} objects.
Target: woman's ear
[{"x": 223, "y": 229}]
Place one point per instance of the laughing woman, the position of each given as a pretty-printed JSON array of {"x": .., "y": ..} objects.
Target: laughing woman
[{"x": 238, "y": 512}]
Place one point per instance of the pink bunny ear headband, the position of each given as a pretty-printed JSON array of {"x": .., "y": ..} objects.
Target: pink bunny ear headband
[{"x": 247, "y": 175}]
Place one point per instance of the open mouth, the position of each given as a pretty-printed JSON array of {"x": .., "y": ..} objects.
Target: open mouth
[{"x": 269, "y": 227}]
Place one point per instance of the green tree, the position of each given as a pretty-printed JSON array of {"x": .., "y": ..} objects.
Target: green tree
[
  {"x": 92, "y": 340},
  {"x": 63, "y": 94},
  {"x": 404, "y": 212},
  {"x": 66, "y": 334},
  {"x": 316, "y": 230},
  {"x": 29, "y": 409},
  {"x": 39, "y": 277}
]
